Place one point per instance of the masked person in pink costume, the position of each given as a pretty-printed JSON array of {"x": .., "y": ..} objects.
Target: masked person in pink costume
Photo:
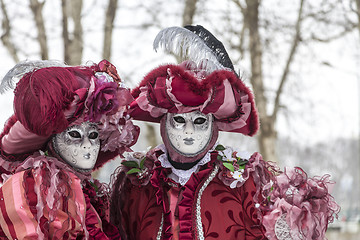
[
  {"x": 68, "y": 121},
  {"x": 191, "y": 187}
]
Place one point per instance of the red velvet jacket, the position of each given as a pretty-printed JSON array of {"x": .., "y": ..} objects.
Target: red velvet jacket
[{"x": 206, "y": 208}]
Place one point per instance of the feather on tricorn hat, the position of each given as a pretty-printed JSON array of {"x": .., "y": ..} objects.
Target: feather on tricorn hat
[
  {"x": 51, "y": 96},
  {"x": 206, "y": 81}
]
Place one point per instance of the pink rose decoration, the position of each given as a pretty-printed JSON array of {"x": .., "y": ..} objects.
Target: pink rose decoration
[{"x": 102, "y": 99}]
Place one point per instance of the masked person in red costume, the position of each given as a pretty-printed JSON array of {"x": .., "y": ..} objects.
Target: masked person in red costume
[
  {"x": 190, "y": 187},
  {"x": 67, "y": 122}
]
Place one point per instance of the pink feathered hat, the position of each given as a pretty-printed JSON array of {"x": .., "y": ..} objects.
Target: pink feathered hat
[
  {"x": 50, "y": 97},
  {"x": 206, "y": 82}
]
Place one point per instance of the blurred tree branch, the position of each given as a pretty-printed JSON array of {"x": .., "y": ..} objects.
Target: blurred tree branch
[
  {"x": 73, "y": 41},
  {"x": 189, "y": 12},
  {"x": 108, "y": 28},
  {"x": 358, "y": 14},
  {"x": 6, "y": 36},
  {"x": 267, "y": 136},
  {"x": 284, "y": 77},
  {"x": 36, "y": 8}
]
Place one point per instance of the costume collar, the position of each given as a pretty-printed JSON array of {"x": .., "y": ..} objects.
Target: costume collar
[{"x": 178, "y": 175}]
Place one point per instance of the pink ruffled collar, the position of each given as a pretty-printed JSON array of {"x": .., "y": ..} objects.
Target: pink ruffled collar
[{"x": 36, "y": 160}]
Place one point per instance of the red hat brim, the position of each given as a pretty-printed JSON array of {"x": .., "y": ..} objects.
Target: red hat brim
[{"x": 175, "y": 89}]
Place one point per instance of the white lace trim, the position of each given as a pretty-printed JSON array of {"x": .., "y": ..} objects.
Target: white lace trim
[
  {"x": 282, "y": 229},
  {"x": 178, "y": 175}
]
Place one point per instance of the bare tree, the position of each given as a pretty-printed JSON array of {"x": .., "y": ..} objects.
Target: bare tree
[
  {"x": 36, "y": 8},
  {"x": 108, "y": 28},
  {"x": 268, "y": 135},
  {"x": 358, "y": 27},
  {"x": 189, "y": 12},
  {"x": 358, "y": 14},
  {"x": 73, "y": 41},
  {"x": 6, "y": 36}
]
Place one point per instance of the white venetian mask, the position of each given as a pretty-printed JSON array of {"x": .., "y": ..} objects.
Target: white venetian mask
[
  {"x": 79, "y": 145},
  {"x": 189, "y": 133}
]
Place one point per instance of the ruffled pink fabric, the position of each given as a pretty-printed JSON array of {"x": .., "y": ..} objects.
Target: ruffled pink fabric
[
  {"x": 305, "y": 202},
  {"x": 56, "y": 177},
  {"x": 51, "y": 163},
  {"x": 19, "y": 137},
  {"x": 144, "y": 104},
  {"x": 186, "y": 206},
  {"x": 7, "y": 168},
  {"x": 159, "y": 178},
  {"x": 241, "y": 122}
]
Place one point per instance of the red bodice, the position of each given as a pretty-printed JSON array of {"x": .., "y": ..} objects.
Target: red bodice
[{"x": 206, "y": 208}]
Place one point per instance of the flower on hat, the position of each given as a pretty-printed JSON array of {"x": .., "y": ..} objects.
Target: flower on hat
[
  {"x": 107, "y": 104},
  {"x": 102, "y": 99},
  {"x": 116, "y": 132}
]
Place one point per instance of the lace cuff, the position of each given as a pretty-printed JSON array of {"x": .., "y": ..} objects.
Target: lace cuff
[{"x": 282, "y": 229}]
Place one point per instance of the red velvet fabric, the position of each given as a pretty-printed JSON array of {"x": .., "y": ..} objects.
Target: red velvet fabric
[
  {"x": 40, "y": 99},
  {"x": 225, "y": 213},
  {"x": 96, "y": 207}
]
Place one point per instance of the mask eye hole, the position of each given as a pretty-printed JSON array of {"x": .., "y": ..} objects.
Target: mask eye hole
[
  {"x": 74, "y": 134},
  {"x": 200, "y": 120},
  {"x": 93, "y": 135},
  {"x": 179, "y": 119}
]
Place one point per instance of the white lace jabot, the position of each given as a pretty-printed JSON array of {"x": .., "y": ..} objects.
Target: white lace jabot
[{"x": 179, "y": 175}]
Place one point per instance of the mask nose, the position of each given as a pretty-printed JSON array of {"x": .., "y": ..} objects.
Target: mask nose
[
  {"x": 189, "y": 128},
  {"x": 86, "y": 144}
]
